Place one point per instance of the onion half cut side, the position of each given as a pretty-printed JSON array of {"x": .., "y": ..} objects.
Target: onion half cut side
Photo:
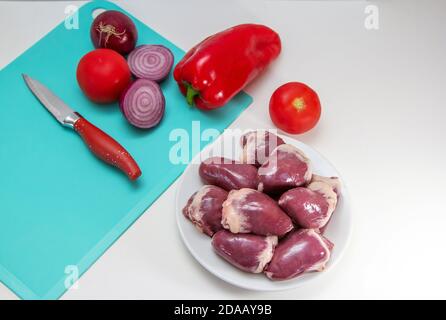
[
  {"x": 143, "y": 103},
  {"x": 152, "y": 62}
]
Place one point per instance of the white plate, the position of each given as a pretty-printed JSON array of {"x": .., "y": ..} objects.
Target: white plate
[{"x": 338, "y": 231}]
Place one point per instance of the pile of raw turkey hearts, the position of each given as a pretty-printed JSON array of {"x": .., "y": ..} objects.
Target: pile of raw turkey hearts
[{"x": 266, "y": 213}]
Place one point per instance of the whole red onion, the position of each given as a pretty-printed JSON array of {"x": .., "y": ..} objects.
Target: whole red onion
[{"x": 114, "y": 30}]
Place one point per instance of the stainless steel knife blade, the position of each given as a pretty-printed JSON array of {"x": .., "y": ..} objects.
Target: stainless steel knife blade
[
  {"x": 63, "y": 113},
  {"x": 101, "y": 144}
]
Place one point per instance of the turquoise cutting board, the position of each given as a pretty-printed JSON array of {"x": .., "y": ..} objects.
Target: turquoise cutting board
[{"x": 60, "y": 207}]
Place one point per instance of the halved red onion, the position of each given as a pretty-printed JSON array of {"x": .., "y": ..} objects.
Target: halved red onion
[
  {"x": 143, "y": 103},
  {"x": 151, "y": 62}
]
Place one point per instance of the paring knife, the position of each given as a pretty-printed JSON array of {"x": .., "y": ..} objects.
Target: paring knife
[{"x": 100, "y": 143}]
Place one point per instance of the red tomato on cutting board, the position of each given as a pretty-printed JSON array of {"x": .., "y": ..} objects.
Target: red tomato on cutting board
[
  {"x": 295, "y": 108},
  {"x": 102, "y": 75}
]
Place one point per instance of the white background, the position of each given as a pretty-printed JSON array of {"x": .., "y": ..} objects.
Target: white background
[{"x": 383, "y": 127}]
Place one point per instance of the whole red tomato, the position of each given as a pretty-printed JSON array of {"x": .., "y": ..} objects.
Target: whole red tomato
[
  {"x": 295, "y": 108},
  {"x": 102, "y": 75}
]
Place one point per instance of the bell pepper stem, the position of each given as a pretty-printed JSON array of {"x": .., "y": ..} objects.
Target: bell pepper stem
[{"x": 190, "y": 94}]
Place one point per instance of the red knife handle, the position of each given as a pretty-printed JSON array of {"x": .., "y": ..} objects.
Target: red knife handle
[{"x": 106, "y": 148}]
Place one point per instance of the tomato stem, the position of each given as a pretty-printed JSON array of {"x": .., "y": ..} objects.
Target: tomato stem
[{"x": 299, "y": 104}]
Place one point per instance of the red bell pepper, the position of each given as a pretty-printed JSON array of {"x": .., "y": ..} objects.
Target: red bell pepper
[{"x": 220, "y": 66}]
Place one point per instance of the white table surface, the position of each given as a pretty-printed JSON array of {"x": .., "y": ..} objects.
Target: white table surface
[{"x": 383, "y": 127}]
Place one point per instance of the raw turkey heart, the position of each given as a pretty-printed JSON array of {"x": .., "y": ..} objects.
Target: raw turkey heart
[
  {"x": 257, "y": 146},
  {"x": 310, "y": 207},
  {"x": 228, "y": 174},
  {"x": 247, "y": 252},
  {"x": 287, "y": 167},
  {"x": 251, "y": 211},
  {"x": 301, "y": 251},
  {"x": 204, "y": 209}
]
